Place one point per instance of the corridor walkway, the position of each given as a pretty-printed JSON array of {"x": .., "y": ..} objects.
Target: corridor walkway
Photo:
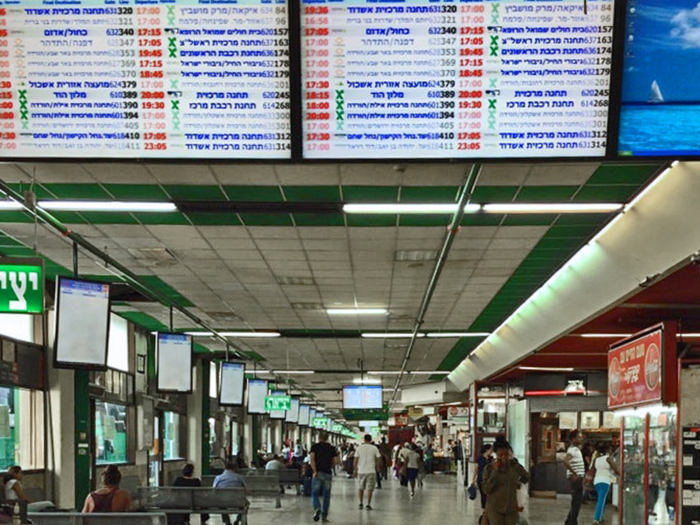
[{"x": 439, "y": 502}]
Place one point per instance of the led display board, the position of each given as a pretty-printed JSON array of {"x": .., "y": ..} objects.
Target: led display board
[
  {"x": 466, "y": 79},
  {"x": 257, "y": 391},
  {"x": 174, "y": 363},
  {"x": 157, "y": 79},
  {"x": 362, "y": 397},
  {"x": 232, "y": 384}
]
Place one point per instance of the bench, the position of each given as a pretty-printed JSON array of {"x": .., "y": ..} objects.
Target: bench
[
  {"x": 131, "y": 485},
  {"x": 291, "y": 476},
  {"x": 77, "y": 518},
  {"x": 195, "y": 500},
  {"x": 260, "y": 483}
]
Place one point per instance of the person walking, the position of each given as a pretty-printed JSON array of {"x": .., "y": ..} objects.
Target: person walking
[
  {"x": 575, "y": 472},
  {"x": 412, "y": 467},
  {"x": 367, "y": 464},
  {"x": 605, "y": 471},
  {"x": 429, "y": 456},
  {"x": 385, "y": 451},
  {"x": 502, "y": 480},
  {"x": 484, "y": 460},
  {"x": 322, "y": 459}
]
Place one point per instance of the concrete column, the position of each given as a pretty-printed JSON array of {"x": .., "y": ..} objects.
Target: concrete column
[{"x": 196, "y": 420}]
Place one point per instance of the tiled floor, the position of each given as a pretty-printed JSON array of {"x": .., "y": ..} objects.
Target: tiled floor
[{"x": 439, "y": 502}]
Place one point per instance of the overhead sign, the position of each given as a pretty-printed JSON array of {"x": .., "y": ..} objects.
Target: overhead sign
[
  {"x": 337, "y": 428},
  {"x": 415, "y": 412},
  {"x": 365, "y": 415},
  {"x": 21, "y": 286},
  {"x": 278, "y": 403},
  {"x": 375, "y": 431},
  {"x": 636, "y": 369},
  {"x": 458, "y": 413},
  {"x": 319, "y": 422},
  {"x": 156, "y": 79},
  {"x": 478, "y": 79}
]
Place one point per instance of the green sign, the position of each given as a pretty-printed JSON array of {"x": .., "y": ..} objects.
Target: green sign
[
  {"x": 278, "y": 403},
  {"x": 337, "y": 428},
  {"x": 21, "y": 286},
  {"x": 320, "y": 422},
  {"x": 375, "y": 431},
  {"x": 367, "y": 414}
]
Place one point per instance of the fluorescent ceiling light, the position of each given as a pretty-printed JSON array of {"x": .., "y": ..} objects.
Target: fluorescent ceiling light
[
  {"x": 384, "y": 372},
  {"x": 294, "y": 372},
  {"x": 689, "y": 334},
  {"x": 356, "y": 311},
  {"x": 429, "y": 373},
  {"x": 108, "y": 206},
  {"x": 10, "y": 205},
  {"x": 602, "y": 336},
  {"x": 235, "y": 334},
  {"x": 366, "y": 381},
  {"x": 546, "y": 369},
  {"x": 458, "y": 334},
  {"x": 390, "y": 335},
  {"x": 567, "y": 207},
  {"x": 405, "y": 208}
]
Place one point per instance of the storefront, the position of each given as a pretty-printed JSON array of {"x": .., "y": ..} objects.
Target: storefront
[{"x": 643, "y": 391}]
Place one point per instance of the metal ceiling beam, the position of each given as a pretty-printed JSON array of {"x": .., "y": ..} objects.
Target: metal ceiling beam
[{"x": 465, "y": 196}]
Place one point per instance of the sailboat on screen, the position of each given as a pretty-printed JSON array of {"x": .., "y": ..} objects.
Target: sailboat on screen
[{"x": 655, "y": 96}]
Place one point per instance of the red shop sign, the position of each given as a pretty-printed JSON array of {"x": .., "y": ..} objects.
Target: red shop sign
[{"x": 637, "y": 369}]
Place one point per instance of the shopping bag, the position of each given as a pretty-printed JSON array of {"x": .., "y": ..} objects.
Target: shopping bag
[{"x": 472, "y": 491}]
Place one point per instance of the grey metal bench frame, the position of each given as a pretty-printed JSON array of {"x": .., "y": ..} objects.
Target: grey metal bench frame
[
  {"x": 77, "y": 518},
  {"x": 291, "y": 476},
  {"x": 260, "y": 483},
  {"x": 195, "y": 500}
]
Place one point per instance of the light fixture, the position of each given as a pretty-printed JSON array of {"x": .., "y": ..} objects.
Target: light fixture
[
  {"x": 403, "y": 208},
  {"x": 457, "y": 334},
  {"x": 10, "y": 205},
  {"x": 356, "y": 311},
  {"x": 429, "y": 373},
  {"x": 113, "y": 206},
  {"x": 384, "y": 372},
  {"x": 366, "y": 381},
  {"x": 602, "y": 336},
  {"x": 236, "y": 334},
  {"x": 642, "y": 411},
  {"x": 294, "y": 372},
  {"x": 566, "y": 207},
  {"x": 546, "y": 369},
  {"x": 391, "y": 335}
]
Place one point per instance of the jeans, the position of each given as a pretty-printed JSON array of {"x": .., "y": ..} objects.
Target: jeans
[
  {"x": 602, "y": 490},
  {"x": 576, "y": 500},
  {"x": 321, "y": 488}
]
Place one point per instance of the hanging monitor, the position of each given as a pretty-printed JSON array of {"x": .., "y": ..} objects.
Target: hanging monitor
[
  {"x": 257, "y": 391},
  {"x": 278, "y": 414},
  {"x": 82, "y": 324},
  {"x": 660, "y": 96},
  {"x": 362, "y": 397},
  {"x": 304, "y": 415},
  {"x": 174, "y": 363},
  {"x": 293, "y": 412},
  {"x": 232, "y": 384}
]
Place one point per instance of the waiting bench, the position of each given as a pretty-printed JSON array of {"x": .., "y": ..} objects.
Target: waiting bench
[
  {"x": 76, "y": 518},
  {"x": 291, "y": 476},
  {"x": 195, "y": 500},
  {"x": 260, "y": 483}
]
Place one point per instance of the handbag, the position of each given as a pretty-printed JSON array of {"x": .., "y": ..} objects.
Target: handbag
[{"x": 472, "y": 491}]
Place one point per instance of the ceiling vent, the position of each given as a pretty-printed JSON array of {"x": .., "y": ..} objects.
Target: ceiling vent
[
  {"x": 296, "y": 281},
  {"x": 155, "y": 257},
  {"x": 307, "y": 306},
  {"x": 415, "y": 255}
]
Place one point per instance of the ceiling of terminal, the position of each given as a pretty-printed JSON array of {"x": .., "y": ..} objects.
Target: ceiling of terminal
[{"x": 279, "y": 270}]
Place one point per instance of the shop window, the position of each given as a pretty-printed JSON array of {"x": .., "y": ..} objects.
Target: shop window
[
  {"x": 21, "y": 428},
  {"x": 111, "y": 433},
  {"x": 171, "y": 436}
]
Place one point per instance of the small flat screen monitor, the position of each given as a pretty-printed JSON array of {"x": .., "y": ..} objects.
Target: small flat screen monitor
[
  {"x": 362, "y": 397},
  {"x": 174, "y": 368},
  {"x": 278, "y": 414},
  {"x": 257, "y": 392},
  {"x": 82, "y": 324},
  {"x": 232, "y": 384},
  {"x": 304, "y": 415},
  {"x": 293, "y": 412}
]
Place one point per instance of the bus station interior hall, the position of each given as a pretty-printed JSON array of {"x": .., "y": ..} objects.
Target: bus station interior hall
[{"x": 231, "y": 316}]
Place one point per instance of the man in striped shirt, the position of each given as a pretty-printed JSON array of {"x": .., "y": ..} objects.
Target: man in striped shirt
[{"x": 575, "y": 472}]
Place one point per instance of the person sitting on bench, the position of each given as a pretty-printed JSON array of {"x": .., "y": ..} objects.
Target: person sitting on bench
[
  {"x": 230, "y": 480},
  {"x": 110, "y": 498}
]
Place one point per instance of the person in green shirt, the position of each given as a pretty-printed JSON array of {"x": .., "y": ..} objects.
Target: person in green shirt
[{"x": 502, "y": 480}]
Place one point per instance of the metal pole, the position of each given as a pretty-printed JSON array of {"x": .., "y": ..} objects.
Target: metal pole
[
  {"x": 452, "y": 230},
  {"x": 75, "y": 259}
]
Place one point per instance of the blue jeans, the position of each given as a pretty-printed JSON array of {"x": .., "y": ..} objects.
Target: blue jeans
[
  {"x": 602, "y": 490},
  {"x": 321, "y": 487}
]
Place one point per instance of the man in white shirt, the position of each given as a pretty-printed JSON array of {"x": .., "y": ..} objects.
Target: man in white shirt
[
  {"x": 367, "y": 463},
  {"x": 575, "y": 472}
]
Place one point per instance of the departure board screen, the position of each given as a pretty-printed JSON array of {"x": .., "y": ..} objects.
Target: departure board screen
[
  {"x": 154, "y": 79},
  {"x": 660, "y": 97},
  {"x": 450, "y": 79}
]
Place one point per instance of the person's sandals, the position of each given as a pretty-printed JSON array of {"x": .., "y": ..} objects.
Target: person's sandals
[
  {"x": 369, "y": 507},
  {"x": 360, "y": 506}
]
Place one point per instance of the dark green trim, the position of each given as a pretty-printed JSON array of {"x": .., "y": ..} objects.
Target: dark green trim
[
  {"x": 206, "y": 414},
  {"x": 83, "y": 438}
]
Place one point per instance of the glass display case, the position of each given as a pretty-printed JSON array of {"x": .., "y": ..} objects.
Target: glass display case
[
  {"x": 488, "y": 406},
  {"x": 649, "y": 468}
]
